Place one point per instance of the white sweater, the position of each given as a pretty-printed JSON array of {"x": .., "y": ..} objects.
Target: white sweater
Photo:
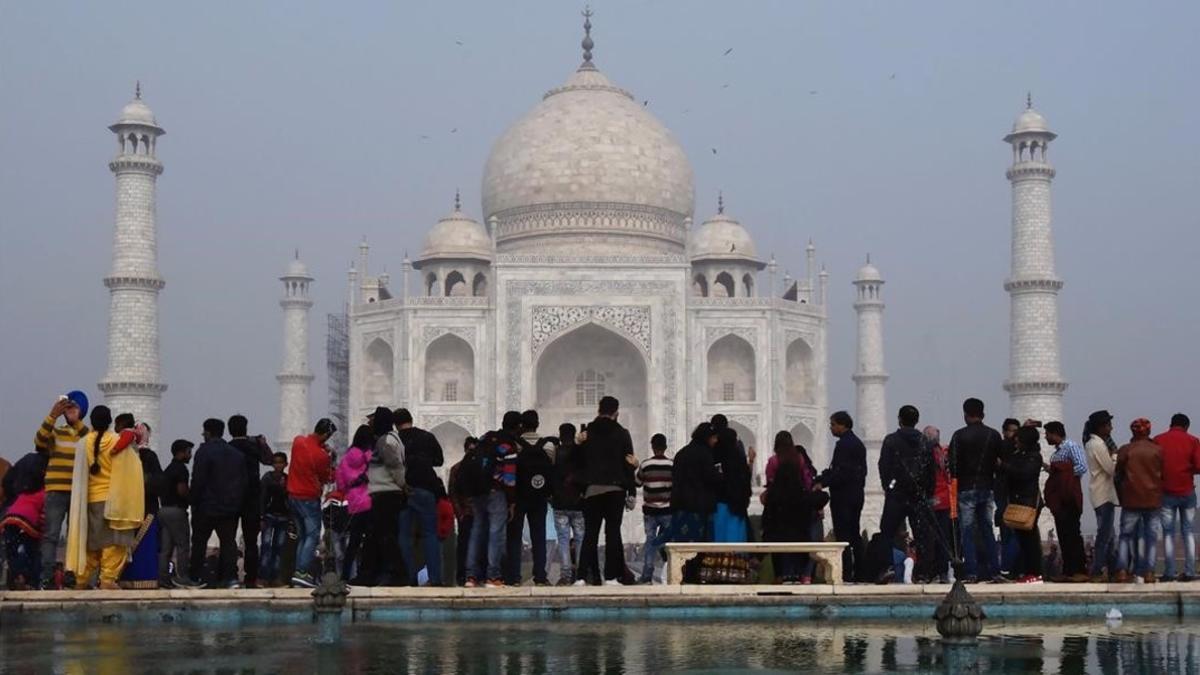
[{"x": 1102, "y": 465}]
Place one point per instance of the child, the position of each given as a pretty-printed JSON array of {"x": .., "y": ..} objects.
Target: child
[
  {"x": 275, "y": 519},
  {"x": 175, "y": 529},
  {"x": 22, "y": 526}
]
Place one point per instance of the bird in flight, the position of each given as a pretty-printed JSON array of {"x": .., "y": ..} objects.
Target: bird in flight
[
  {"x": 812, "y": 92},
  {"x": 714, "y": 151},
  {"x": 725, "y": 86},
  {"x": 728, "y": 52},
  {"x": 645, "y": 103},
  {"x": 458, "y": 42},
  {"x": 454, "y": 130},
  {"x": 424, "y": 137},
  {"x": 892, "y": 77}
]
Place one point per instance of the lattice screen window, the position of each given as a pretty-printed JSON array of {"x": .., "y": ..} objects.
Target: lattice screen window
[
  {"x": 450, "y": 394},
  {"x": 589, "y": 388},
  {"x": 728, "y": 393}
]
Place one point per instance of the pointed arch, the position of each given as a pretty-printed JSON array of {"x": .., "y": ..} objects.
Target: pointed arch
[
  {"x": 800, "y": 380},
  {"x": 723, "y": 286},
  {"x": 449, "y": 370},
  {"x": 479, "y": 285},
  {"x": 731, "y": 370},
  {"x": 699, "y": 286},
  {"x": 450, "y": 436},
  {"x": 803, "y": 435},
  {"x": 456, "y": 285},
  {"x": 431, "y": 284},
  {"x": 379, "y": 383},
  {"x": 748, "y": 285}
]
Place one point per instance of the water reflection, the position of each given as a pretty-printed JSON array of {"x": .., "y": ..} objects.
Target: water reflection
[{"x": 664, "y": 646}]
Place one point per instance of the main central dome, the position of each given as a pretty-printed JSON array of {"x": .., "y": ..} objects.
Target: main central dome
[{"x": 588, "y": 171}]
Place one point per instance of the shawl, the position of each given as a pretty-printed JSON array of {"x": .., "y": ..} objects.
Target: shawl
[{"x": 124, "y": 509}]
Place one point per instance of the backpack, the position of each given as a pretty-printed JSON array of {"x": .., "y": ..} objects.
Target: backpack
[
  {"x": 477, "y": 472},
  {"x": 534, "y": 471}
]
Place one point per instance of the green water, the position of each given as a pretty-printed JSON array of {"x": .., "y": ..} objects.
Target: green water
[{"x": 682, "y": 646}]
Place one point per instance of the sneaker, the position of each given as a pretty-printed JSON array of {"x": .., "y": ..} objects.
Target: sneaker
[
  {"x": 543, "y": 582},
  {"x": 1185, "y": 578},
  {"x": 612, "y": 582},
  {"x": 1148, "y": 578},
  {"x": 1121, "y": 577},
  {"x": 1006, "y": 579},
  {"x": 495, "y": 583},
  {"x": 579, "y": 582},
  {"x": 233, "y": 585},
  {"x": 885, "y": 577},
  {"x": 1032, "y": 579},
  {"x": 303, "y": 580},
  {"x": 1100, "y": 578},
  {"x": 471, "y": 583},
  {"x": 1078, "y": 578},
  {"x": 806, "y": 581}
]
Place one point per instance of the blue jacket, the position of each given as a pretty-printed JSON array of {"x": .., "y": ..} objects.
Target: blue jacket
[{"x": 218, "y": 480}]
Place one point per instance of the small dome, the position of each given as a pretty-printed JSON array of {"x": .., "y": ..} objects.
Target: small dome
[
  {"x": 137, "y": 112},
  {"x": 457, "y": 236},
  {"x": 869, "y": 272},
  {"x": 296, "y": 268},
  {"x": 1030, "y": 120},
  {"x": 723, "y": 238}
]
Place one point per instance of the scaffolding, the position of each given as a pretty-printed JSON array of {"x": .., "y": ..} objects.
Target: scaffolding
[{"x": 337, "y": 364}]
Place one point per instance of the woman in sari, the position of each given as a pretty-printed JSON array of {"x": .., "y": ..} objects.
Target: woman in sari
[{"x": 107, "y": 505}]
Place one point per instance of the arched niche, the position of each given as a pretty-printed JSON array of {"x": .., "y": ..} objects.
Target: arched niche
[
  {"x": 731, "y": 370},
  {"x": 379, "y": 383},
  {"x": 449, "y": 370},
  {"x": 800, "y": 379}
]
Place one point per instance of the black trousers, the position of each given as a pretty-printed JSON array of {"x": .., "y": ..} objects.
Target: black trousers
[
  {"x": 203, "y": 527},
  {"x": 1070, "y": 542},
  {"x": 461, "y": 565},
  {"x": 606, "y": 509},
  {"x": 896, "y": 509},
  {"x": 251, "y": 522},
  {"x": 1029, "y": 557},
  {"x": 381, "y": 554},
  {"x": 358, "y": 530},
  {"x": 846, "y": 512}
]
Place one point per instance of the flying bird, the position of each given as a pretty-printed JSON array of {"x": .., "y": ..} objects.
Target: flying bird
[
  {"x": 728, "y": 52},
  {"x": 892, "y": 77},
  {"x": 458, "y": 42},
  {"x": 812, "y": 92},
  {"x": 424, "y": 137},
  {"x": 725, "y": 86},
  {"x": 645, "y": 103},
  {"x": 714, "y": 151},
  {"x": 454, "y": 130}
]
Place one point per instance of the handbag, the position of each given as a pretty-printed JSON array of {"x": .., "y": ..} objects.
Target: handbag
[{"x": 1020, "y": 517}]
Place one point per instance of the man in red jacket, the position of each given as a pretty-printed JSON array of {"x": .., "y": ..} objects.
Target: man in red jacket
[
  {"x": 1181, "y": 462},
  {"x": 312, "y": 468}
]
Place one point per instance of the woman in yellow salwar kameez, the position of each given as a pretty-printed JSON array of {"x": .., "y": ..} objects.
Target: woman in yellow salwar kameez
[{"x": 107, "y": 505}]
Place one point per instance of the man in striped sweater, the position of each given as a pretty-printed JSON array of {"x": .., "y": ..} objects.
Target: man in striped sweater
[
  {"x": 654, "y": 476},
  {"x": 57, "y": 443}
]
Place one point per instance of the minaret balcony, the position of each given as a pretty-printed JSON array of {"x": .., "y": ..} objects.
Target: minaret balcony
[
  {"x": 1033, "y": 285},
  {"x": 111, "y": 387},
  {"x": 130, "y": 282},
  {"x": 136, "y": 163},
  {"x": 1025, "y": 170},
  {"x": 294, "y": 378},
  {"x": 1047, "y": 387}
]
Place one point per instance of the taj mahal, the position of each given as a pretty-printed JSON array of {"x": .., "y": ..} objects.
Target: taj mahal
[{"x": 588, "y": 273}]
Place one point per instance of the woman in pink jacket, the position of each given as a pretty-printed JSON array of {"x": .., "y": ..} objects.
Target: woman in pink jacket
[{"x": 351, "y": 477}]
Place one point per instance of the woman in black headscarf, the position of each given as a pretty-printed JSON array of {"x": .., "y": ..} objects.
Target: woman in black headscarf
[
  {"x": 790, "y": 507},
  {"x": 733, "y": 497}
]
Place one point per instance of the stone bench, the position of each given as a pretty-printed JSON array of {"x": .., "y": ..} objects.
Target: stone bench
[{"x": 828, "y": 554}]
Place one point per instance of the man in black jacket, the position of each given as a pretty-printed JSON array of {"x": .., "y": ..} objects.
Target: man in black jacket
[
  {"x": 422, "y": 454},
  {"x": 256, "y": 453},
  {"x": 606, "y": 462},
  {"x": 907, "y": 472},
  {"x": 845, "y": 479},
  {"x": 973, "y": 453},
  {"x": 535, "y": 470},
  {"x": 567, "y": 499},
  {"x": 218, "y": 488}
]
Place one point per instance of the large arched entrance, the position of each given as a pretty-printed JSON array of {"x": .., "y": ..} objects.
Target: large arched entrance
[
  {"x": 579, "y": 368},
  {"x": 450, "y": 436}
]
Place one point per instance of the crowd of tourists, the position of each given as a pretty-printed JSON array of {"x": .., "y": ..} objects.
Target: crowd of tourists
[{"x": 379, "y": 513}]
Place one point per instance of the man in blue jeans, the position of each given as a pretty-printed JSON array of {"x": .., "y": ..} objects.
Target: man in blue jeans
[
  {"x": 1181, "y": 463},
  {"x": 1140, "y": 489},
  {"x": 1008, "y": 544},
  {"x": 654, "y": 475},
  {"x": 973, "y": 452},
  {"x": 495, "y": 500},
  {"x": 422, "y": 454},
  {"x": 312, "y": 469}
]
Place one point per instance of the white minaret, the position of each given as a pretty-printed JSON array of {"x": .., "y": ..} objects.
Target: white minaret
[
  {"x": 295, "y": 376},
  {"x": 1035, "y": 385},
  {"x": 870, "y": 421},
  {"x": 133, "y": 382}
]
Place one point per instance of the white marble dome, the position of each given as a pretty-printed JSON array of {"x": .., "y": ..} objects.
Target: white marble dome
[
  {"x": 588, "y": 165},
  {"x": 296, "y": 268},
  {"x": 869, "y": 272},
  {"x": 137, "y": 112},
  {"x": 1030, "y": 120},
  {"x": 457, "y": 236},
  {"x": 722, "y": 237}
]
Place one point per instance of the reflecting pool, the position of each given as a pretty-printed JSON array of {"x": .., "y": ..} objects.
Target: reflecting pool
[{"x": 666, "y": 646}]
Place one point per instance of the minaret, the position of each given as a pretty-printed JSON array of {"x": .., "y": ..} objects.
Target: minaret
[
  {"x": 295, "y": 376},
  {"x": 1035, "y": 385},
  {"x": 870, "y": 419},
  {"x": 133, "y": 382}
]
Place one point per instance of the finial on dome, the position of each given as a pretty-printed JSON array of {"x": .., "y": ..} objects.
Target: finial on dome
[
  {"x": 587, "y": 43},
  {"x": 1029, "y": 100},
  {"x": 457, "y": 200},
  {"x": 297, "y": 254},
  {"x": 720, "y": 202},
  {"x": 137, "y": 90},
  {"x": 868, "y": 258}
]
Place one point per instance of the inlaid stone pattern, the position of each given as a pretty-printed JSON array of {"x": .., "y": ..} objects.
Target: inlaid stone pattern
[{"x": 631, "y": 320}]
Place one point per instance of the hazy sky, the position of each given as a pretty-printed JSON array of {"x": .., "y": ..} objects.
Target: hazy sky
[{"x": 295, "y": 125}]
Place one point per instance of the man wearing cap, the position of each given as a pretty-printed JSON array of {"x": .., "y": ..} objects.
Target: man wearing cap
[
  {"x": 57, "y": 442},
  {"x": 1065, "y": 499},
  {"x": 1140, "y": 489},
  {"x": 1101, "y": 452}
]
